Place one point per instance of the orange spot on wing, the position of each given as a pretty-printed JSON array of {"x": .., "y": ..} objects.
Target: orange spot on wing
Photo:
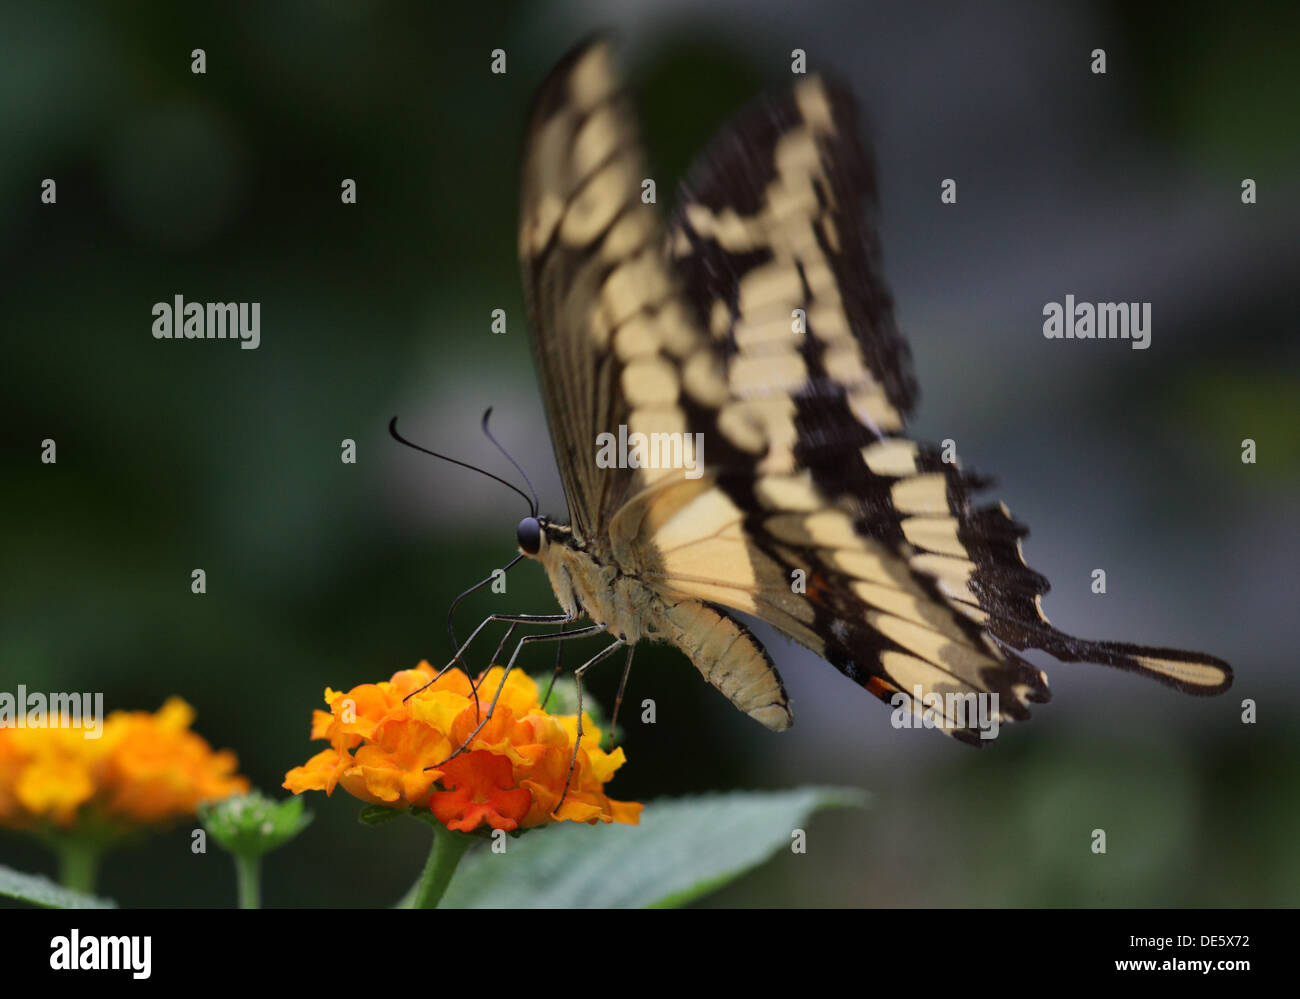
[
  {"x": 819, "y": 588},
  {"x": 880, "y": 687}
]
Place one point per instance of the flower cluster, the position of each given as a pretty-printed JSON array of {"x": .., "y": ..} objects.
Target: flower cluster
[
  {"x": 388, "y": 750},
  {"x": 144, "y": 768}
]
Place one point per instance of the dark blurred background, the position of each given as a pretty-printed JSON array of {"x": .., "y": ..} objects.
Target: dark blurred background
[{"x": 181, "y": 455}]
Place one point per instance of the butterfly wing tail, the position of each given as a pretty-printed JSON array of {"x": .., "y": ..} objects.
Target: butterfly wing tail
[
  {"x": 1191, "y": 672},
  {"x": 1010, "y": 593}
]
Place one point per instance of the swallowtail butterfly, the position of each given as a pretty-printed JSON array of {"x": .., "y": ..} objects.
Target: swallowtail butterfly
[{"x": 755, "y": 321}]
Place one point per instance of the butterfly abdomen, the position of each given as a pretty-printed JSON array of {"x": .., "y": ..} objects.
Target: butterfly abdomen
[{"x": 730, "y": 658}]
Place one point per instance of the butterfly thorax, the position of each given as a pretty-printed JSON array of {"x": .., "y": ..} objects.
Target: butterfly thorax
[
  {"x": 587, "y": 586},
  {"x": 720, "y": 647}
]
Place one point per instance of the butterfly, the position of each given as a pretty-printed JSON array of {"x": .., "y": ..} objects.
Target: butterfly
[{"x": 750, "y": 338}]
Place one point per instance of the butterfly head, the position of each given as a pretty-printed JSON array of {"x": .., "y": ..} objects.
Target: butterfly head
[
  {"x": 530, "y": 536},
  {"x": 536, "y": 534}
]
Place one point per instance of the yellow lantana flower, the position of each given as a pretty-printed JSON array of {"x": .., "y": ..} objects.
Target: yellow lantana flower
[
  {"x": 388, "y": 750},
  {"x": 144, "y": 768}
]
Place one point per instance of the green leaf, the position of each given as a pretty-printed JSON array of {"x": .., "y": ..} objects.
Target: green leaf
[
  {"x": 377, "y": 815},
  {"x": 682, "y": 849},
  {"x": 43, "y": 892}
]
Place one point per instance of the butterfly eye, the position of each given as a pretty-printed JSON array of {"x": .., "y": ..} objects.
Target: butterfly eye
[{"x": 530, "y": 535}]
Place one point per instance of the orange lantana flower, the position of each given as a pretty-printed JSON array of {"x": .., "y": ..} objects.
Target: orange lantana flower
[
  {"x": 144, "y": 768},
  {"x": 483, "y": 790},
  {"x": 387, "y": 750}
]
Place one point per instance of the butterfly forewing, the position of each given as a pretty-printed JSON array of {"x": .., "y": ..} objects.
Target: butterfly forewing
[{"x": 614, "y": 340}]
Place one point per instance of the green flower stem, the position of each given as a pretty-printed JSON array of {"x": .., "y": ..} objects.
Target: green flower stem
[
  {"x": 248, "y": 873},
  {"x": 448, "y": 848},
  {"x": 78, "y": 864}
]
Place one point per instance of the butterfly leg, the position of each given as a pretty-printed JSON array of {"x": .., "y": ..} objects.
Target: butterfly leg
[
  {"x": 496, "y": 657},
  {"x": 541, "y": 619},
  {"x": 604, "y": 653},
  {"x": 618, "y": 698},
  {"x": 587, "y": 632},
  {"x": 513, "y": 619},
  {"x": 559, "y": 650}
]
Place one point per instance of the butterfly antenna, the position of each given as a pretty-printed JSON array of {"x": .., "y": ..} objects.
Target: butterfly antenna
[
  {"x": 532, "y": 505},
  {"x": 510, "y": 459}
]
